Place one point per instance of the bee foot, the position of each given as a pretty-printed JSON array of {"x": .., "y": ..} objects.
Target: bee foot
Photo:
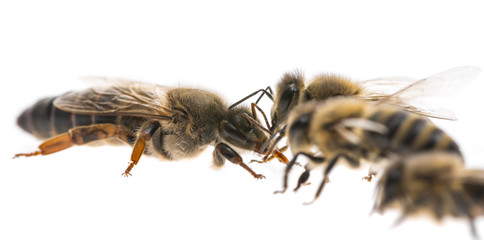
[
  {"x": 280, "y": 191},
  {"x": 368, "y": 178},
  {"x": 257, "y": 161},
  {"x": 26, "y": 154},
  {"x": 259, "y": 176},
  {"x": 309, "y": 203}
]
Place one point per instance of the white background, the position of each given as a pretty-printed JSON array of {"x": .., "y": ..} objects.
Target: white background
[{"x": 233, "y": 49}]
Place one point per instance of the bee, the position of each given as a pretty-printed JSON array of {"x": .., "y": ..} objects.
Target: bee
[
  {"x": 348, "y": 129},
  {"x": 433, "y": 183},
  {"x": 407, "y": 93},
  {"x": 170, "y": 123}
]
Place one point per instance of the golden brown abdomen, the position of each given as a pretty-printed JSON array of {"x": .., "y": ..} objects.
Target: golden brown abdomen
[{"x": 408, "y": 132}]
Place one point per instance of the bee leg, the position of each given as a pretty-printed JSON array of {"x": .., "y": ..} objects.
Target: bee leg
[
  {"x": 399, "y": 220},
  {"x": 472, "y": 225},
  {"x": 275, "y": 154},
  {"x": 144, "y": 135},
  {"x": 218, "y": 159},
  {"x": 370, "y": 176},
  {"x": 271, "y": 143},
  {"x": 408, "y": 206},
  {"x": 302, "y": 179},
  {"x": 283, "y": 149},
  {"x": 286, "y": 173},
  {"x": 254, "y": 114},
  {"x": 278, "y": 153},
  {"x": 464, "y": 204},
  {"x": 280, "y": 156},
  {"x": 328, "y": 169},
  {"x": 231, "y": 155},
  {"x": 305, "y": 175},
  {"x": 268, "y": 91},
  {"x": 76, "y": 136}
]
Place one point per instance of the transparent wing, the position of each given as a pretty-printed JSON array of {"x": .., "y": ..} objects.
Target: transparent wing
[
  {"x": 417, "y": 96},
  {"x": 442, "y": 84},
  {"x": 387, "y": 85},
  {"x": 424, "y": 107},
  {"x": 103, "y": 81},
  {"x": 120, "y": 97}
]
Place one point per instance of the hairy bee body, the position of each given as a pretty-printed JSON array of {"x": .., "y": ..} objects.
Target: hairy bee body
[
  {"x": 171, "y": 123},
  {"x": 405, "y": 133},
  {"x": 291, "y": 91},
  {"x": 408, "y": 94},
  {"x": 432, "y": 183},
  {"x": 351, "y": 130},
  {"x": 326, "y": 86},
  {"x": 175, "y": 139}
]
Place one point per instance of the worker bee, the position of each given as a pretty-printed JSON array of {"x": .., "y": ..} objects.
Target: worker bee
[
  {"x": 348, "y": 129},
  {"x": 407, "y": 93},
  {"x": 170, "y": 123},
  {"x": 433, "y": 183}
]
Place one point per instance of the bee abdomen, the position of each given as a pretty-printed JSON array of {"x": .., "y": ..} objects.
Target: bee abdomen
[
  {"x": 436, "y": 139},
  {"x": 44, "y": 120},
  {"x": 36, "y": 119},
  {"x": 409, "y": 132},
  {"x": 419, "y": 134}
]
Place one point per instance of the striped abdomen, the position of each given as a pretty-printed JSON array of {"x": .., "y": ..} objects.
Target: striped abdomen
[
  {"x": 409, "y": 132},
  {"x": 44, "y": 120}
]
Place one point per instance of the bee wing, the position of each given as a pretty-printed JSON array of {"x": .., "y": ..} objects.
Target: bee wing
[
  {"x": 417, "y": 96},
  {"x": 121, "y": 97},
  {"x": 442, "y": 84},
  {"x": 387, "y": 85},
  {"x": 344, "y": 126},
  {"x": 104, "y": 81},
  {"x": 426, "y": 109}
]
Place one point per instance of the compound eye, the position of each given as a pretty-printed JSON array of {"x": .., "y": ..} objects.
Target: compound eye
[
  {"x": 286, "y": 98},
  {"x": 230, "y": 132}
]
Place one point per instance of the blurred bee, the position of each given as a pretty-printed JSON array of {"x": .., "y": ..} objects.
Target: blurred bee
[
  {"x": 170, "y": 123},
  {"x": 409, "y": 94},
  {"x": 432, "y": 183},
  {"x": 350, "y": 129}
]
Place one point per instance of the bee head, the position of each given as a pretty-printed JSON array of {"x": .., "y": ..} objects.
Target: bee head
[
  {"x": 238, "y": 131},
  {"x": 287, "y": 97}
]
